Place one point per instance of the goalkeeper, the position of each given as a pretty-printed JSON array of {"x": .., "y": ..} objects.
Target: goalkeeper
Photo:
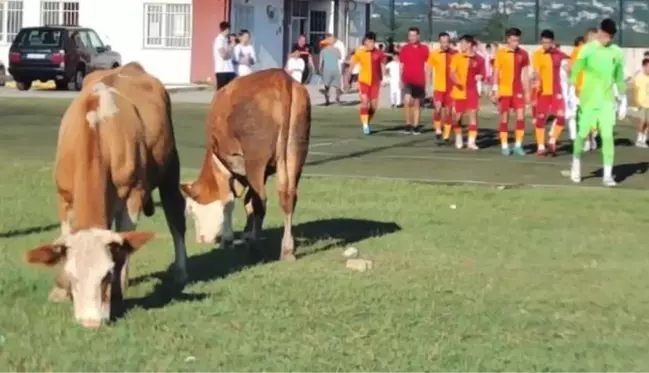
[{"x": 603, "y": 91}]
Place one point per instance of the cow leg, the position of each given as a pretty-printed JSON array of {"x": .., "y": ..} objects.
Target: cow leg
[
  {"x": 287, "y": 200},
  {"x": 255, "y": 201},
  {"x": 59, "y": 292},
  {"x": 173, "y": 205}
]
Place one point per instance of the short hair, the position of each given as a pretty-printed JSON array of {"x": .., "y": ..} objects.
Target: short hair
[
  {"x": 370, "y": 36},
  {"x": 579, "y": 40},
  {"x": 414, "y": 29},
  {"x": 443, "y": 34},
  {"x": 244, "y": 32},
  {"x": 467, "y": 38},
  {"x": 514, "y": 31},
  {"x": 645, "y": 62},
  {"x": 547, "y": 34},
  {"x": 608, "y": 26},
  {"x": 224, "y": 26},
  {"x": 645, "y": 54}
]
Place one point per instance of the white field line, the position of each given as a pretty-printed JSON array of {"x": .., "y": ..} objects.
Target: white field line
[{"x": 317, "y": 145}]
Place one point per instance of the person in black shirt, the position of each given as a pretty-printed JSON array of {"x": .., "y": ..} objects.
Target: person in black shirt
[{"x": 305, "y": 53}]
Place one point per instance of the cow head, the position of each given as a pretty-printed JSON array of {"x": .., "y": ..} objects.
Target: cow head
[
  {"x": 210, "y": 199},
  {"x": 93, "y": 260}
]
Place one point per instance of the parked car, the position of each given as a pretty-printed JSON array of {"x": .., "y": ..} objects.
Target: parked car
[
  {"x": 3, "y": 74},
  {"x": 60, "y": 53}
]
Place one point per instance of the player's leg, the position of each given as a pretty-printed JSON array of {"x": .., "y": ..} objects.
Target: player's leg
[
  {"x": 519, "y": 128},
  {"x": 572, "y": 124},
  {"x": 583, "y": 131},
  {"x": 472, "y": 115},
  {"x": 418, "y": 95},
  {"x": 459, "y": 108},
  {"x": 558, "y": 109},
  {"x": 375, "y": 93},
  {"x": 542, "y": 109},
  {"x": 606, "y": 120},
  {"x": 641, "y": 141},
  {"x": 504, "y": 105},
  {"x": 364, "y": 91},
  {"x": 437, "y": 112},
  {"x": 407, "y": 108},
  {"x": 447, "y": 112}
]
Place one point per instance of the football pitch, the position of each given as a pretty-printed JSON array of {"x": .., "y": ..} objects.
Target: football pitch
[{"x": 481, "y": 262}]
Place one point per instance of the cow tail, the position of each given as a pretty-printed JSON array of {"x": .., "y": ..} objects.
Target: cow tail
[{"x": 298, "y": 134}]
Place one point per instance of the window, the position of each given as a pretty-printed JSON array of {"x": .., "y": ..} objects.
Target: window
[
  {"x": 11, "y": 20},
  {"x": 167, "y": 25},
  {"x": 243, "y": 18},
  {"x": 300, "y": 8},
  {"x": 65, "y": 13},
  {"x": 317, "y": 27},
  {"x": 40, "y": 38}
]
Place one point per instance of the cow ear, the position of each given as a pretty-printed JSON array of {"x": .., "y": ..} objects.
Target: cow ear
[
  {"x": 133, "y": 241},
  {"x": 48, "y": 254}
]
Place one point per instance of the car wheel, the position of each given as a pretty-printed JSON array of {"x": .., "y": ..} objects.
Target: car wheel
[
  {"x": 3, "y": 77},
  {"x": 23, "y": 86},
  {"x": 78, "y": 80}
]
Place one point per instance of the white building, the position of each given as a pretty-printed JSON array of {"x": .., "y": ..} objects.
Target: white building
[{"x": 172, "y": 39}]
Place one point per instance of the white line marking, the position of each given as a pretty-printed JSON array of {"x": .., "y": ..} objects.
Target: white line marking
[{"x": 332, "y": 143}]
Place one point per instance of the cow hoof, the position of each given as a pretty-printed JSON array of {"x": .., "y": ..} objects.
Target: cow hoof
[
  {"x": 287, "y": 257},
  {"x": 58, "y": 295}
]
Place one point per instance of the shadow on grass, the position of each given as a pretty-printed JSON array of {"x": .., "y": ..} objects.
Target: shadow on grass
[
  {"x": 219, "y": 263},
  {"x": 28, "y": 231},
  {"x": 624, "y": 171}
]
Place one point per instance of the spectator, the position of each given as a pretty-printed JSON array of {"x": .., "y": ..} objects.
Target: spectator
[
  {"x": 330, "y": 69},
  {"x": 244, "y": 54},
  {"x": 295, "y": 66},
  {"x": 223, "y": 52},
  {"x": 305, "y": 54}
]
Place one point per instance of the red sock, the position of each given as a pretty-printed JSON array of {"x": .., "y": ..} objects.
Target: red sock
[{"x": 504, "y": 127}]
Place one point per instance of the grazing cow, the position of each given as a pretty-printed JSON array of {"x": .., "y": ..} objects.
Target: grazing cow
[
  {"x": 257, "y": 125},
  {"x": 116, "y": 144}
]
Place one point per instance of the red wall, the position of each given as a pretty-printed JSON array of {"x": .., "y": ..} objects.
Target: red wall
[{"x": 206, "y": 16}]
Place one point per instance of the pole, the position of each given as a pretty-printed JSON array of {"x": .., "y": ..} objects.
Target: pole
[
  {"x": 537, "y": 15},
  {"x": 393, "y": 25},
  {"x": 620, "y": 22},
  {"x": 430, "y": 21}
]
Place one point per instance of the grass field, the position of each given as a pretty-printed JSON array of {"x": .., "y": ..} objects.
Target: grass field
[{"x": 526, "y": 278}]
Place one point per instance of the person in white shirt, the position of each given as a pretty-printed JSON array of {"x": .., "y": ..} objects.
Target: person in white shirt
[
  {"x": 244, "y": 54},
  {"x": 295, "y": 66},
  {"x": 223, "y": 52},
  {"x": 393, "y": 68}
]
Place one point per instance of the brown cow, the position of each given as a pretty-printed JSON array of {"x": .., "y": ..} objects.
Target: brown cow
[
  {"x": 116, "y": 144},
  {"x": 257, "y": 125}
]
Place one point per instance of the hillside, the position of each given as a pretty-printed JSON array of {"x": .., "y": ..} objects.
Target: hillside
[{"x": 489, "y": 18}]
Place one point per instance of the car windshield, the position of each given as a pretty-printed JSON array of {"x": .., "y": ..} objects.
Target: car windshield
[{"x": 40, "y": 38}]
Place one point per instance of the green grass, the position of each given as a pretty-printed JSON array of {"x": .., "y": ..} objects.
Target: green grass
[{"x": 516, "y": 279}]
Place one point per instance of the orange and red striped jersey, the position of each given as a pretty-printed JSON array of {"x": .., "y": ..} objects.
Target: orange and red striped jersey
[
  {"x": 466, "y": 68},
  {"x": 509, "y": 65},
  {"x": 371, "y": 65},
  {"x": 580, "y": 76},
  {"x": 439, "y": 62},
  {"x": 547, "y": 65}
]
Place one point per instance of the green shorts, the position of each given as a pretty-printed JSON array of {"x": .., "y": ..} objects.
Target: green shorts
[{"x": 602, "y": 118}]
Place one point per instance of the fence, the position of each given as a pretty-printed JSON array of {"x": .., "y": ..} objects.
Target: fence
[{"x": 488, "y": 19}]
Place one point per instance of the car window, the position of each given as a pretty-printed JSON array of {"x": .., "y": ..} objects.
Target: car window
[
  {"x": 85, "y": 39},
  {"x": 95, "y": 40},
  {"x": 40, "y": 38}
]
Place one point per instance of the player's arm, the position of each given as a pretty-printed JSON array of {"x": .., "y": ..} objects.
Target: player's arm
[
  {"x": 525, "y": 78},
  {"x": 353, "y": 61},
  {"x": 619, "y": 75},
  {"x": 535, "y": 73},
  {"x": 452, "y": 73},
  {"x": 496, "y": 74},
  {"x": 579, "y": 64}
]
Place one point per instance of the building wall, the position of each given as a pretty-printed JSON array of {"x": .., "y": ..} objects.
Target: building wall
[
  {"x": 206, "y": 16},
  {"x": 263, "y": 18}
]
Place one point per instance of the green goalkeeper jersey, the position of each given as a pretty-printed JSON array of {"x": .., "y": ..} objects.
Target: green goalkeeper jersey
[{"x": 603, "y": 68}]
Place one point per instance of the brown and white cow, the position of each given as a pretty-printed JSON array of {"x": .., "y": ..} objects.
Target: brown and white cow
[
  {"x": 257, "y": 125},
  {"x": 116, "y": 144}
]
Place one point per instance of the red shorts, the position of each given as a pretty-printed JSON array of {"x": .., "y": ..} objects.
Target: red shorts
[
  {"x": 443, "y": 98},
  {"x": 371, "y": 91},
  {"x": 465, "y": 105},
  {"x": 514, "y": 102},
  {"x": 550, "y": 104}
]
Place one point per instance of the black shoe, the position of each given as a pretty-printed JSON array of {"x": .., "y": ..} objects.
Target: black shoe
[
  {"x": 407, "y": 130},
  {"x": 438, "y": 136},
  {"x": 416, "y": 130}
]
